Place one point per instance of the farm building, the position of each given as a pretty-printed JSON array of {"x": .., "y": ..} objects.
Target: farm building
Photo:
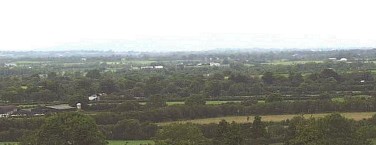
[
  {"x": 10, "y": 65},
  {"x": 343, "y": 59},
  {"x": 215, "y": 64},
  {"x": 43, "y": 110},
  {"x": 96, "y": 97},
  {"x": 158, "y": 67},
  {"x": 6, "y": 111},
  {"x": 147, "y": 67},
  {"x": 43, "y": 76},
  {"x": 333, "y": 59}
]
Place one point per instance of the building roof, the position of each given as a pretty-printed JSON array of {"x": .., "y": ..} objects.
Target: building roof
[
  {"x": 6, "y": 109},
  {"x": 60, "y": 107}
]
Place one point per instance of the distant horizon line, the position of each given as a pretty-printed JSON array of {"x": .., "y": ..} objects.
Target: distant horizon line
[{"x": 259, "y": 49}]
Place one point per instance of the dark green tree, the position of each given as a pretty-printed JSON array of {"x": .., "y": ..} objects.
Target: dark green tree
[
  {"x": 128, "y": 106},
  {"x": 274, "y": 97},
  {"x": 268, "y": 78},
  {"x": 258, "y": 128},
  {"x": 328, "y": 73},
  {"x": 181, "y": 134},
  {"x": 195, "y": 100},
  {"x": 213, "y": 88},
  {"x": 66, "y": 129},
  {"x": 94, "y": 74},
  {"x": 296, "y": 79},
  {"x": 74, "y": 99},
  {"x": 156, "y": 101},
  {"x": 330, "y": 130},
  {"x": 108, "y": 86}
]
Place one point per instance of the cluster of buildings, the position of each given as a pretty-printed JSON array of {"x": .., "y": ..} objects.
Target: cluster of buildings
[
  {"x": 10, "y": 65},
  {"x": 199, "y": 64},
  {"x": 147, "y": 67},
  {"x": 13, "y": 111},
  {"x": 96, "y": 97},
  {"x": 338, "y": 60}
]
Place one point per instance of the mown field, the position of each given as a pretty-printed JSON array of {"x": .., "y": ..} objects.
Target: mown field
[
  {"x": 273, "y": 118},
  {"x": 134, "y": 142}
]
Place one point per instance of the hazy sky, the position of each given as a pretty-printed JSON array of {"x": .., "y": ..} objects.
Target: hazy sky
[{"x": 185, "y": 25}]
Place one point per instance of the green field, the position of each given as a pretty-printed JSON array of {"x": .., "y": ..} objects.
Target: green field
[
  {"x": 30, "y": 62},
  {"x": 169, "y": 103},
  {"x": 8, "y": 143},
  {"x": 338, "y": 99},
  {"x": 220, "y": 102},
  {"x": 342, "y": 99},
  {"x": 134, "y": 142},
  {"x": 273, "y": 118},
  {"x": 286, "y": 62},
  {"x": 207, "y": 102},
  {"x": 175, "y": 103},
  {"x": 141, "y": 62}
]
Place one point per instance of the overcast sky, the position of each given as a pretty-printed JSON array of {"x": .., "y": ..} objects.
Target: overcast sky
[{"x": 185, "y": 25}]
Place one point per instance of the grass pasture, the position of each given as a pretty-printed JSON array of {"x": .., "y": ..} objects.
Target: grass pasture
[
  {"x": 175, "y": 103},
  {"x": 8, "y": 143},
  {"x": 286, "y": 62},
  {"x": 30, "y": 62},
  {"x": 220, "y": 102},
  {"x": 139, "y": 62},
  {"x": 207, "y": 102},
  {"x": 169, "y": 103},
  {"x": 272, "y": 118},
  {"x": 130, "y": 142},
  {"x": 338, "y": 99}
]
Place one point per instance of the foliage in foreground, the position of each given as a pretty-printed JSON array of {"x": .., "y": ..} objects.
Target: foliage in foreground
[
  {"x": 66, "y": 129},
  {"x": 181, "y": 134},
  {"x": 333, "y": 129}
]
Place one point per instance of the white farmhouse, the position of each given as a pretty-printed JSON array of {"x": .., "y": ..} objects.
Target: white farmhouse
[
  {"x": 158, "y": 67},
  {"x": 343, "y": 60}
]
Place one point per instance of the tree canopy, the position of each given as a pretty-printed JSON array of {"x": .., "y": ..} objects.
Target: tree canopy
[
  {"x": 333, "y": 129},
  {"x": 181, "y": 134},
  {"x": 66, "y": 129}
]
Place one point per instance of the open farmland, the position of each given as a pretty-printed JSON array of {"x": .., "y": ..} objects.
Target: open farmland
[
  {"x": 130, "y": 142},
  {"x": 273, "y": 118},
  {"x": 207, "y": 102}
]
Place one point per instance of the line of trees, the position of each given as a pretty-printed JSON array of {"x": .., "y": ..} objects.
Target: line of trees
[{"x": 179, "y": 85}]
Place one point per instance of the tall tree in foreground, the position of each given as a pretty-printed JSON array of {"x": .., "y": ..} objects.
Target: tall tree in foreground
[
  {"x": 258, "y": 128},
  {"x": 67, "y": 129},
  {"x": 330, "y": 130},
  {"x": 181, "y": 134}
]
